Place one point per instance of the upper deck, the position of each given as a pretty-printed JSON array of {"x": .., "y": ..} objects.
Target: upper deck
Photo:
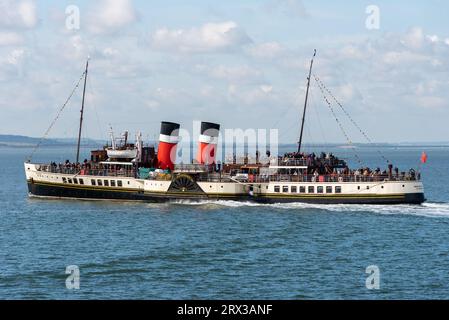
[{"x": 208, "y": 173}]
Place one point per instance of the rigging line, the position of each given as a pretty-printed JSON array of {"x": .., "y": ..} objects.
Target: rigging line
[
  {"x": 314, "y": 105},
  {"x": 286, "y": 113},
  {"x": 56, "y": 118},
  {"x": 321, "y": 84},
  {"x": 339, "y": 124},
  {"x": 275, "y": 125},
  {"x": 100, "y": 126}
]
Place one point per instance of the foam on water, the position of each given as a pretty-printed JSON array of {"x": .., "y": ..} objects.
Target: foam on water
[
  {"x": 428, "y": 209},
  {"x": 222, "y": 203}
]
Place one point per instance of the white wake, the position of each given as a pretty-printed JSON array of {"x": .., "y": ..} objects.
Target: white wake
[{"x": 428, "y": 209}]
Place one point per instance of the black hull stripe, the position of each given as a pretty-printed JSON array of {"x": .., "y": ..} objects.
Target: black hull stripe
[
  {"x": 315, "y": 196},
  {"x": 62, "y": 191},
  {"x": 274, "y": 196},
  {"x": 112, "y": 189}
]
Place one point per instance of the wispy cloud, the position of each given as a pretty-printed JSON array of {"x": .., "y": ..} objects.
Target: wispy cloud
[
  {"x": 231, "y": 68},
  {"x": 210, "y": 37},
  {"x": 8, "y": 38},
  {"x": 18, "y": 14},
  {"x": 110, "y": 16}
]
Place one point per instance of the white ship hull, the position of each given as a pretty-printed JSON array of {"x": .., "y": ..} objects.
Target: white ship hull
[{"x": 57, "y": 185}]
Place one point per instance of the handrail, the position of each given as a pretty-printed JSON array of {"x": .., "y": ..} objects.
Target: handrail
[
  {"x": 344, "y": 178},
  {"x": 88, "y": 172},
  {"x": 248, "y": 178},
  {"x": 194, "y": 167},
  {"x": 306, "y": 162}
]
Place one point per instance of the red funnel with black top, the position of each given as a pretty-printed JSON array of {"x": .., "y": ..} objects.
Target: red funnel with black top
[
  {"x": 168, "y": 141},
  {"x": 208, "y": 141}
]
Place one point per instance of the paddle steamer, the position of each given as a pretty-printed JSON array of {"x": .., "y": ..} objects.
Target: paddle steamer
[{"x": 131, "y": 171}]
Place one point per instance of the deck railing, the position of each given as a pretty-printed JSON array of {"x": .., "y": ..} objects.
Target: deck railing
[
  {"x": 88, "y": 172},
  {"x": 343, "y": 178},
  {"x": 307, "y": 162},
  {"x": 191, "y": 168},
  {"x": 245, "y": 178}
]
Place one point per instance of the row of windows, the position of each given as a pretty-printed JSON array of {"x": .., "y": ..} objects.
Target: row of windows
[
  {"x": 73, "y": 181},
  {"x": 94, "y": 182},
  {"x": 310, "y": 189},
  {"x": 106, "y": 183}
]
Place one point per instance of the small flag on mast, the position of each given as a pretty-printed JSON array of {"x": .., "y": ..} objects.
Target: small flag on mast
[{"x": 423, "y": 157}]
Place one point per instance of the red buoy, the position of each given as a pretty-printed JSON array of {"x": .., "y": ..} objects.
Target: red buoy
[{"x": 423, "y": 157}]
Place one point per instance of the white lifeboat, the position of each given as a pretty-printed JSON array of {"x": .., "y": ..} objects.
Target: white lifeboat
[{"x": 122, "y": 154}]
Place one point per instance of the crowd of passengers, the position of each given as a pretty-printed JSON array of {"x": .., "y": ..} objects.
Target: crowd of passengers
[
  {"x": 87, "y": 167},
  {"x": 324, "y": 164},
  {"x": 328, "y": 164}
]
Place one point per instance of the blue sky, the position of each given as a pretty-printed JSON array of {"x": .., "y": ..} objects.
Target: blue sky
[{"x": 240, "y": 63}]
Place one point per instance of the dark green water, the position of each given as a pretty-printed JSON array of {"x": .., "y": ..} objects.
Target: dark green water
[{"x": 224, "y": 250}]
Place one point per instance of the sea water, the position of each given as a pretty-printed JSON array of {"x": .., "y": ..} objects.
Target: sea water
[{"x": 225, "y": 249}]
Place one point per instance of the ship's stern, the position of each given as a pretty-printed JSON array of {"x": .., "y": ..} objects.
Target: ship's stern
[{"x": 415, "y": 193}]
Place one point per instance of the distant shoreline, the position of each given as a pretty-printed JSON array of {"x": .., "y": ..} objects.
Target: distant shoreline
[
  {"x": 290, "y": 146},
  {"x": 28, "y": 146},
  {"x": 16, "y": 141}
]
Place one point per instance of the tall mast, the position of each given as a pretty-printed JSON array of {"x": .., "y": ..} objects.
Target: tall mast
[
  {"x": 82, "y": 113},
  {"x": 305, "y": 102}
]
